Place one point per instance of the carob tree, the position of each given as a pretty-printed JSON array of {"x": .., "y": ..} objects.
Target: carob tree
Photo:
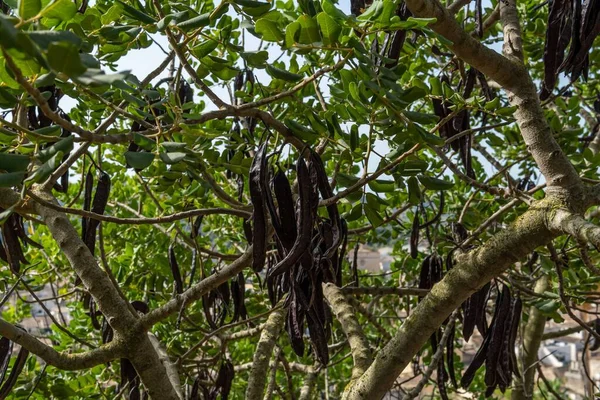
[{"x": 202, "y": 229}]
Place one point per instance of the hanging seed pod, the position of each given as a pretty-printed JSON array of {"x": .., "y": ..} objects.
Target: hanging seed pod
[
  {"x": 224, "y": 380},
  {"x": 305, "y": 220},
  {"x": 414, "y": 236},
  {"x": 6, "y": 348},
  {"x": 98, "y": 207},
  {"x": 16, "y": 370},
  {"x": 258, "y": 171},
  {"x": 175, "y": 270}
]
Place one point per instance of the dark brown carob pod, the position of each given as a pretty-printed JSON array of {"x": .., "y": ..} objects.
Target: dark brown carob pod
[
  {"x": 6, "y": 348},
  {"x": 16, "y": 370},
  {"x": 305, "y": 220},
  {"x": 258, "y": 170},
  {"x": 175, "y": 270},
  {"x": 98, "y": 206}
]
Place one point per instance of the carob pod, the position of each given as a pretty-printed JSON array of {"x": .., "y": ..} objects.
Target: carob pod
[
  {"x": 474, "y": 312},
  {"x": 12, "y": 247},
  {"x": 258, "y": 170},
  {"x": 98, "y": 207},
  {"x": 295, "y": 325},
  {"x": 479, "y": 358},
  {"x": 6, "y": 348},
  {"x": 196, "y": 226},
  {"x": 175, "y": 270},
  {"x": 461, "y": 123},
  {"x": 414, "y": 236},
  {"x": 238, "y": 295},
  {"x": 87, "y": 200},
  {"x": 450, "y": 357},
  {"x": 224, "y": 380},
  {"x": 285, "y": 210},
  {"x": 16, "y": 370},
  {"x": 305, "y": 220},
  {"x": 326, "y": 193},
  {"x": 495, "y": 347}
]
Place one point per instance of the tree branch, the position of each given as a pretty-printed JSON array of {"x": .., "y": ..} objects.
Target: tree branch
[
  {"x": 264, "y": 349},
  {"x": 63, "y": 360},
  {"x": 375, "y": 291},
  {"x": 196, "y": 292},
  {"x": 473, "y": 270},
  {"x": 345, "y": 314}
]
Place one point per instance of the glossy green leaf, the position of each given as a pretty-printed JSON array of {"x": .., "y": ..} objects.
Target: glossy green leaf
[
  {"x": 64, "y": 57},
  {"x": 10, "y": 179},
  {"x": 62, "y": 10},
  {"x": 283, "y": 74},
  {"x": 10, "y": 162},
  {"x": 268, "y": 30},
  {"x": 29, "y": 8},
  {"x": 435, "y": 183},
  {"x": 330, "y": 30},
  {"x": 139, "y": 160}
]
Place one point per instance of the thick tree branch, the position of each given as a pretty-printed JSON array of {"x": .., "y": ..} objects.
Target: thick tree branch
[
  {"x": 472, "y": 271},
  {"x": 565, "y": 222},
  {"x": 345, "y": 314},
  {"x": 62, "y": 360},
  {"x": 264, "y": 349},
  {"x": 375, "y": 291}
]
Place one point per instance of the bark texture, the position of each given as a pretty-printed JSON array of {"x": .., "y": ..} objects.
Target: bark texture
[{"x": 264, "y": 349}]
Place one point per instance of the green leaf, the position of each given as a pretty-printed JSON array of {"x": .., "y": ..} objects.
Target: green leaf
[
  {"x": 7, "y": 100},
  {"x": 283, "y": 74},
  {"x": 194, "y": 23},
  {"x": 44, "y": 38},
  {"x": 173, "y": 147},
  {"x": 144, "y": 142},
  {"x": 382, "y": 186},
  {"x": 64, "y": 146},
  {"x": 13, "y": 162},
  {"x": 29, "y": 8},
  {"x": 11, "y": 179},
  {"x": 301, "y": 131},
  {"x": 205, "y": 48},
  {"x": 8, "y": 33},
  {"x": 309, "y": 30},
  {"x": 47, "y": 167},
  {"x": 292, "y": 34},
  {"x": 414, "y": 192},
  {"x": 435, "y": 183},
  {"x": 332, "y": 10},
  {"x": 64, "y": 57},
  {"x": 139, "y": 160},
  {"x": 172, "y": 158},
  {"x": 268, "y": 30},
  {"x": 256, "y": 59},
  {"x": 62, "y": 10},
  {"x": 330, "y": 30},
  {"x": 373, "y": 216},
  {"x": 506, "y": 111},
  {"x": 421, "y": 118},
  {"x": 136, "y": 14},
  {"x": 253, "y": 8}
]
